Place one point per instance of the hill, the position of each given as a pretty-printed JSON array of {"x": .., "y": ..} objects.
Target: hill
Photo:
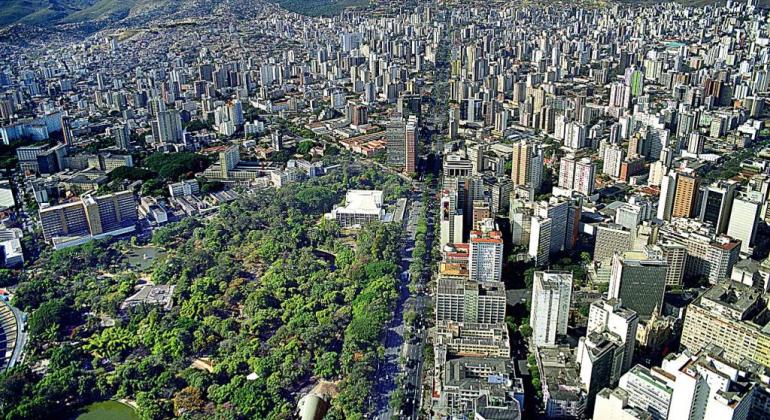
[{"x": 320, "y": 7}]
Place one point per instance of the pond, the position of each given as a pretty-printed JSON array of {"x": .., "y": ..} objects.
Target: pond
[
  {"x": 141, "y": 258},
  {"x": 108, "y": 410}
]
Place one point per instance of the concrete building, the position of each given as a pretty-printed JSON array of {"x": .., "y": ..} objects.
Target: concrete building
[
  {"x": 551, "y": 297},
  {"x": 729, "y": 315},
  {"x": 527, "y": 167},
  {"x": 577, "y": 175},
  {"x": 600, "y": 357},
  {"x": 612, "y": 404},
  {"x": 361, "y": 207},
  {"x": 395, "y": 132},
  {"x": 676, "y": 259},
  {"x": 485, "y": 260},
  {"x": 539, "y": 248},
  {"x": 685, "y": 196},
  {"x": 690, "y": 386},
  {"x": 461, "y": 300},
  {"x": 563, "y": 394},
  {"x": 464, "y": 380},
  {"x": 708, "y": 255},
  {"x": 411, "y": 141},
  {"x": 611, "y": 238},
  {"x": 744, "y": 220},
  {"x": 717, "y": 203},
  {"x": 608, "y": 315},
  {"x": 184, "y": 188},
  {"x": 638, "y": 279},
  {"x": 88, "y": 218},
  {"x": 450, "y": 218},
  {"x": 458, "y": 339}
]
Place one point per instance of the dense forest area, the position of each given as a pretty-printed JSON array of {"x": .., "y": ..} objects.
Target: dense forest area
[{"x": 251, "y": 298}]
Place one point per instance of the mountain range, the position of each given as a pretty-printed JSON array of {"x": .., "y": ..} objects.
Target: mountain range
[{"x": 48, "y": 12}]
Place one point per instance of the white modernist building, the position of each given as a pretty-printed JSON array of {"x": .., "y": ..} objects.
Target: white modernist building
[{"x": 361, "y": 207}]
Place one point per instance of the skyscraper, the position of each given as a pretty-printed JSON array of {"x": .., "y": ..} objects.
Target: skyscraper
[
  {"x": 395, "y": 132},
  {"x": 639, "y": 281},
  {"x": 66, "y": 130},
  {"x": 612, "y": 316},
  {"x": 667, "y": 193},
  {"x": 527, "y": 164},
  {"x": 411, "y": 139},
  {"x": 686, "y": 194},
  {"x": 169, "y": 126},
  {"x": 485, "y": 261},
  {"x": 521, "y": 162},
  {"x": 551, "y": 295},
  {"x": 450, "y": 218},
  {"x": 717, "y": 204},
  {"x": 577, "y": 175},
  {"x": 122, "y": 136},
  {"x": 744, "y": 220}
]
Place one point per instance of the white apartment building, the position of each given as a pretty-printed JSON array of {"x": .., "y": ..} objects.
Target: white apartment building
[{"x": 551, "y": 295}]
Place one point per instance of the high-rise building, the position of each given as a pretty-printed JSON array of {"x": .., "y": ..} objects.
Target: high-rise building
[
  {"x": 395, "y": 132},
  {"x": 744, "y": 220},
  {"x": 613, "y": 404},
  {"x": 450, "y": 218},
  {"x": 667, "y": 193},
  {"x": 359, "y": 115},
  {"x": 611, "y": 238},
  {"x": 611, "y": 316},
  {"x": 169, "y": 125},
  {"x": 184, "y": 188},
  {"x": 600, "y": 357},
  {"x": 540, "y": 239},
  {"x": 717, "y": 203},
  {"x": 485, "y": 260},
  {"x": 631, "y": 215},
  {"x": 577, "y": 175},
  {"x": 66, "y": 130},
  {"x": 685, "y": 196},
  {"x": 730, "y": 315},
  {"x": 481, "y": 211},
  {"x": 708, "y": 255},
  {"x": 638, "y": 279},
  {"x": 676, "y": 258},
  {"x": 461, "y": 300},
  {"x": 89, "y": 217},
  {"x": 551, "y": 295},
  {"x": 122, "y": 135},
  {"x": 691, "y": 386},
  {"x": 527, "y": 164},
  {"x": 411, "y": 140},
  {"x": 613, "y": 158}
]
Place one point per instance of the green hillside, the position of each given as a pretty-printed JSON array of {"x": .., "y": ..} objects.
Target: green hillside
[
  {"x": 43, "y": 12},
  {"x": 320, "y": 7}
]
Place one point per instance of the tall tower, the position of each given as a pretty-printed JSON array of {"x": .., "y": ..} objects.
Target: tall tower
[
  {"x": 66, "y": 130},
  {"x": 686, "y": 193},
  {"x": 411, "y": 138},
  {"x": 522, "y": 151},
  {"x": 551, "y": 294}
]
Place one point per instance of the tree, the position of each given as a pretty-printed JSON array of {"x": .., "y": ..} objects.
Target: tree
[
  {"x": 212, "y": 186},
  {"x": 525, "y": 330},
  {"x": 49, "y": 319},
  {"x": 305, "y": 146},
  {"x": 326, "y": 365},
  {"x": 188, "y": 400},
  {"x": 7, "y": 277}
]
